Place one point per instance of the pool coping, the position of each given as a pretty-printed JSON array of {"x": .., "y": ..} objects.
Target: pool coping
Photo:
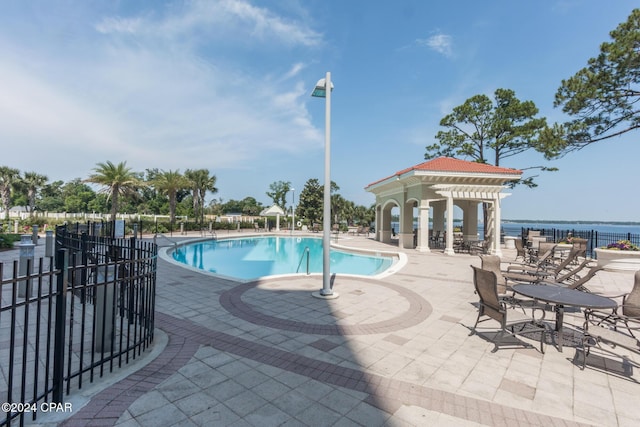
[{"x": 399, "y": 259}]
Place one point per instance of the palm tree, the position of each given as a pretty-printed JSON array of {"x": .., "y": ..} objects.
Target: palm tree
[
  {"x": 208, "y": 183},
  {"x": 170, "y": 183},
  {"x": 337, "y": 207},
  {"x": 116, "y": 180},
  {"x": 200, "y": 182},
  {"x": 8, "y": 179},
  {"x": 33, "y": 183}
]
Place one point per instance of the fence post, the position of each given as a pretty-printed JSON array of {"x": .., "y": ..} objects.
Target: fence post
[
  {"x": 34, "y": 234},
  {"x": 48, "y": 243},
  {"x": 62, "y": 265},
  {"x": 105, "y": 283},
  {"x": 26, "y": 264},
  {"x": 84, "y": 259},
  {"x": 129, "y": 273}
]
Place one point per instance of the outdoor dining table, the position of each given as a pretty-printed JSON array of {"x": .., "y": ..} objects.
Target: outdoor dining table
[{"x": 560, "y": 297}]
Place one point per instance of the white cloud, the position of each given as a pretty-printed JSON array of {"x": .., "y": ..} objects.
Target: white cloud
[
  {"x": 230, "y": 19},
  {"x": 119, "y": 25},
  {"x": 135, "y": 94},
  {"x": 441, "y": 43},
  {"x": 295, "y": 70}
]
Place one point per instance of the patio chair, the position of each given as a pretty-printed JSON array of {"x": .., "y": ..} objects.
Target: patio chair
[
  {"x": 569, "y": 280},
  {"x": 580, "y": 245},
  {"x": 478, "y": 247},
  {"x": 612, "y": 331},
  {"x": 628, "y": 309},
  {"x": 521, "y": 252},
  {"x": 538, "y": 264},
  {"x": 435, "y": 239},
  {"x": 611, "y": 340},
  {"x": 549, "y": 271},
  {"x": 544, "y": 248},
  {"x": 631, "y": 301},
  {"x": 493, "y": 262},
  {"x": 491, "y": 306},
  {"x": 533, "y": 233},
  {"x": 459, "y": 245}
]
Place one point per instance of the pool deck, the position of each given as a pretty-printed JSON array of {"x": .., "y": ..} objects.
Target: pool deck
[{"x": 394, "y": 351}]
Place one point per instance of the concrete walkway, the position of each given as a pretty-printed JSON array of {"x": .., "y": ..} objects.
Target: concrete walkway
[{"x": 394, "y": 351}]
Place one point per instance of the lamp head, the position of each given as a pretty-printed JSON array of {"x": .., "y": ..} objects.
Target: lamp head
[{"x": 320, "y": 91}]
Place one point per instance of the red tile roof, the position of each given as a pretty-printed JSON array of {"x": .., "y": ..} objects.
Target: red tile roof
[{"x": 449, "y": 164}]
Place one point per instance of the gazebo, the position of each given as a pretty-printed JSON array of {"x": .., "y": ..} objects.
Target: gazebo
[
  {"x": 440, "y": 184},
  {"x": 273, "y": 210}
]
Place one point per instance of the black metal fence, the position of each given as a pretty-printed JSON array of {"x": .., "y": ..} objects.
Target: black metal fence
[
  {"x": 68, "y": 319},
  {"x": 595, "y": 239}
]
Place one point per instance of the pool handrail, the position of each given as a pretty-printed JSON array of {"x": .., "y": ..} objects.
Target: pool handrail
[{"x": 306, "y": 252}]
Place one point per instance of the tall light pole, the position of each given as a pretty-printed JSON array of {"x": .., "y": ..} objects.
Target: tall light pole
[
  {"x": 293, "y": 210},
  {"x": 323, "y": 90}
]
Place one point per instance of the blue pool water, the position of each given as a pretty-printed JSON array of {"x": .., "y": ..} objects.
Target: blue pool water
[{"x": 253, "y": 257}]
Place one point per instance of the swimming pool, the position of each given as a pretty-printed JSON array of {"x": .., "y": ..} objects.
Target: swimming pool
[{"x": 253, "y": 257}]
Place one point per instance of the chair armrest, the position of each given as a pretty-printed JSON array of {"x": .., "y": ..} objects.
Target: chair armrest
[
  {"x": 611, "y": 295},
  {"x": 614, "y": 318},
  {"x": 520, "y": 267},
  {"x": 516, "y": 263},
  {"x": 613, "y": 337}
]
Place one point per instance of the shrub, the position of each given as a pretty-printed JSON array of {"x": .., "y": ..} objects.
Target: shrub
[{"x": 7, "y": 240}]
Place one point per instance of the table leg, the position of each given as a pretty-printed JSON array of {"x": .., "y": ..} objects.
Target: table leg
[{"x": 559, "y": 309}]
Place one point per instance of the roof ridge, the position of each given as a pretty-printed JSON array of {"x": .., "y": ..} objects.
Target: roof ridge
[{"x": 452, "y": 164}]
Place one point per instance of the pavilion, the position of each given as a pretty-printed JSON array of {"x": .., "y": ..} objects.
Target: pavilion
[
  {"x": 273, "y": 210},
  {"x": 440, "y": 184}
]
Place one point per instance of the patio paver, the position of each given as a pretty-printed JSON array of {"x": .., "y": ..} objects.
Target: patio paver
[{"x": 393, "y": 351}]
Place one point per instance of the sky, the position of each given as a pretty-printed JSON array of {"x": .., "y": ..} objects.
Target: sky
[{"x": 225, "y": 85}]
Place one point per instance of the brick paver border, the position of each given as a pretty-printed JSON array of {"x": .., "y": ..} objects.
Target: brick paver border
[
  {"x": 387, "y": 394},
  {"x": 106, "y": 407},
  {"x": 384, "y": 393},
  {"x": 419, "y": 310}
]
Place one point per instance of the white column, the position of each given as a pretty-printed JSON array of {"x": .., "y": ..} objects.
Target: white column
[
  {"x": 378, "y": 223},
  {"x": 385, "y": 225},
  {"x": 449, "y": 249},
  {"x": 406, "y": 226},
  {"x": 423, "y": 227},
  {"x": 496, "y": 226},
  {"x": 470, "y": 220}
]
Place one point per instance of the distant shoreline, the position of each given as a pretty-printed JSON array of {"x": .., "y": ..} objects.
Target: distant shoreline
[{"x": 539, "y": 221}]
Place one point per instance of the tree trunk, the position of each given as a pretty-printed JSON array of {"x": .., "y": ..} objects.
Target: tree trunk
[
  {"x": 172, "y": 208},
  {"x": 114, "y": 205},
  {"x": 32, "y": 203},
  {"x": 6, "y": 200}
]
